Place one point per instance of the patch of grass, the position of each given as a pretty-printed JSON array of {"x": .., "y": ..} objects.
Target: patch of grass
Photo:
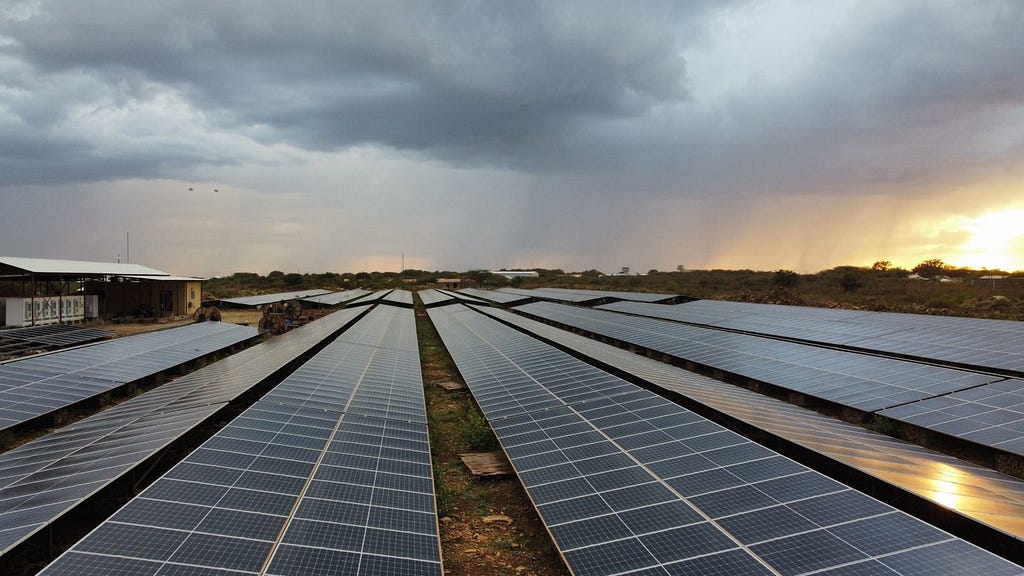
[{"x": 476, "y": 431}]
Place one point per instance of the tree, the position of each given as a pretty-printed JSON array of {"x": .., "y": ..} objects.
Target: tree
[
  {"x": 785, "y": 278},
  {"x": 851, "y": 281},
  {"x": 881, "y": 266},
  {"x": 931, "y": 268},
  {"x": 293, "y": 279}
]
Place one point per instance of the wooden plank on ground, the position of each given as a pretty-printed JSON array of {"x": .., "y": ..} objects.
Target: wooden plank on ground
[
  {"x": 487, "y": 464},
  {"x": 452, "y": 386}
]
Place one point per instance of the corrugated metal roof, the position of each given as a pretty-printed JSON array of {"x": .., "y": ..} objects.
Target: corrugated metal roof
[
  {"x": 167, "y": 278},
  {"x": 78, "y": 267}
]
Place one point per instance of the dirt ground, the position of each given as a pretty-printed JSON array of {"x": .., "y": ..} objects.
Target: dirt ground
[
  {"x": 487, "y": 526},
  {"x": 235, "y": 316}
]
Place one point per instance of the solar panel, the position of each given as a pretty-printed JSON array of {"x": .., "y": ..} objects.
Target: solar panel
[
  {"x": 856, "y": 380},
  {"x": 50, "y": 336},
  {"x": 329, "y": 473},
  {"x": 992, "y": 415},
  {"x": 628, "y": 482},
  {"x": 36, "y": 386},
  {"x": 431, "y": 297},
  {"x": 499, "y": 296},
  {"x": 581, "y": 296},
  {"x": 984, "y": 496},
  {"x": 972, "y": 342},
  {"x": 369, "y": 298},
  {"x": 44, "y": 479},
  {"x": 264, "y": 299},
  {"x": 336, "y": 298},
  {"x": 398, "y": 298}
]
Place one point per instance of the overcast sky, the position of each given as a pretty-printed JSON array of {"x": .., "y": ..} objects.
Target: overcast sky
[{"x": 337, "y": 136}]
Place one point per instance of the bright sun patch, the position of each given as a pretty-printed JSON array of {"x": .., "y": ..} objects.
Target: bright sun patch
[{"x": 996, "y": 241}]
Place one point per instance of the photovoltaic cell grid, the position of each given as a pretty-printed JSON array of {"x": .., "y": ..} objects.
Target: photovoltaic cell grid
[
  {"x": 980, "y": 494},
  {"x": 975, "y": 342},
  {"x": 33, "y": 387},
  {"x": 44, "y": 479},
  {"x": 336, "y": 298},
  {"x": 53, "y": 335},
  {"x": 431, "y": 297},
  {"x": 399, "y": 297},
  {"x": 263, "y": 299},
  {"x": 860, "y": 381},
  {"x": 629, "y": 483},
  {"x": 497, "y": 296},
  {"x": 329, "y": 473}
]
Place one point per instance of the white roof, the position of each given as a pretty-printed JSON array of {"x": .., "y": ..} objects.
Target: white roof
[
  {"x": 167, "y": 278},
  {"x": 73, "y": 267}
]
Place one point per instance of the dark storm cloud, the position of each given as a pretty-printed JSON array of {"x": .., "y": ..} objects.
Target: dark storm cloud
[
  {"x": 495, "y": 81},
  {"x": 895, "y": 94}
]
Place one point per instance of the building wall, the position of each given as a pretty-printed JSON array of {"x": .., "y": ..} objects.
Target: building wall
[{"x": 146, "y": 297}]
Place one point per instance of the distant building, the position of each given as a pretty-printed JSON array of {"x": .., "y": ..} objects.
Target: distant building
[{"x": 450, "y": 283}]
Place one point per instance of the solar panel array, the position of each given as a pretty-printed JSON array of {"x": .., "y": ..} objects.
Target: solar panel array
[
  {"x": 431, "y": 297},
  {"x": 859, "y": 381},
  {"x": 580, "y": 296},
  {"x": 329, "y": 473},
  {"x": 980, "y": 494},
  {"x": 398, "y": 298},
  {"x": 975, "y": 342},
  {"x": 36, "y": 386},
  {"x": 264, "y": 299},
  {"x": 45, "y": 478},
  {"x": 369, "y": 298},
  {"x": 557, "y": 295},
  {"x": 992, "y": 415},
  {"x": 507, "y": 298},
  {"x": 50, "y": 336},
  {"x": 336, "y": 298},
  {"x": 628, "y": 482}
]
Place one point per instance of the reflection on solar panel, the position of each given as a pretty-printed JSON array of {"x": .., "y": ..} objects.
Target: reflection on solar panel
[
  {"x": 263, "y": 299},
  {"x": 579, "y": 296},
  {"x": 44, "y": 479},
  {"x": 975, "y": 342},
  {"x": 982, "y": 495},
  {"x": 329, "y": 473},
  {"x": 433, "y": 297},
  {"x": 628, "y": 482},
  {"x": 859, "y": 381},
  {"x": 399, "y": 298},
  {"x": 39, "y": 385},
  {"x": 51, "y": 336},
  {"x": 992, "y": 415},
  {"x": 498, "y": 296},
  {"x": 336, "y": 298},
  {"x": 369, "y": 298}
]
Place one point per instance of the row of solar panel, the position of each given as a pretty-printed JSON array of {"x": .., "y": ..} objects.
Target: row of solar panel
[
  {"x": 44, "y": 479},
  {"x": 264, "y": 299},
  {"x": 54, "y": 335},
  {"x": 328, "y": 473},
  {"x": 33, "y": 387},
  {"x": 976, "y": 342},
  {"x": 983, "y": 497},
  {"x": 336, "y": 298},
  {"x": 628, "y": 482},
  {"x": 587, "y": 297},
  {"x": 978, "y": 407}
]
